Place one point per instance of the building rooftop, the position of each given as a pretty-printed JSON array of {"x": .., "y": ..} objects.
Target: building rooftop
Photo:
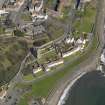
[{"x": 3, "y": 12}]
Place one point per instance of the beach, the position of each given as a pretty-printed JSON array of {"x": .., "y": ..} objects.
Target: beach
[
  {"x": 65, "y": 93},
  {"x": 55, "y": 95}
]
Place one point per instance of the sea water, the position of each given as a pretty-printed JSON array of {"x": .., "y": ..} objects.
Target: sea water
[{"x": 88, "y": 90}]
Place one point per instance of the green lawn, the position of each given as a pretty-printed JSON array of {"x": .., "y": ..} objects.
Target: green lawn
[
  {"x": 29, "y": 77},
  {"x": 26, "y": 17},
  {"x": 51, "y": 55},
  {"x": 71, "y": 57},
  {"x": 23, "y": 101},
  {"x": 44, "y": 86},
  {"x": 2, "y": 30}
]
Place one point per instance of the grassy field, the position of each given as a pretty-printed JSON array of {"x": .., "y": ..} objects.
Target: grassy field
[
  {"x": 55, "y": 31},
  {"x": 51, "y": 55},
  {"x": 30, "y": 77},
  {"x": 44, "y": 86},
  {"x": 11, "y": 55},
  {"x": 2, "y": 30},
  {"x": 85, "y": 23}
]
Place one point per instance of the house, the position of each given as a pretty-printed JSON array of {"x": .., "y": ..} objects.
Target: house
[
  {"x": 69, "y": 40},
  {"x": 36, "y": 9},
  {"x": 79, "y": 41},
  {"x": 64, "y": 55}
]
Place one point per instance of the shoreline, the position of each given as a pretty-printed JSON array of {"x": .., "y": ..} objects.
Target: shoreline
[
  {"x": 64, "y": 95},
  {"x": 55, "y": 96}
]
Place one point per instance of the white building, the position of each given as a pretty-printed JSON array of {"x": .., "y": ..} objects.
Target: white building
[
  {"x": 53, "y": 64},
  {"x": 69, "y": 40},
  {"x": 79, "y": 41},
  {"x": 37, "y": 70}
]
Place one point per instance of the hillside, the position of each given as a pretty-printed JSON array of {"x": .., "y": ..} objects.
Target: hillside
[{"x": 12, "y": 52}]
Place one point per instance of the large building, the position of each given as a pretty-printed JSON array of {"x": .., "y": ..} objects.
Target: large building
[{"x": 36, "y": 8}]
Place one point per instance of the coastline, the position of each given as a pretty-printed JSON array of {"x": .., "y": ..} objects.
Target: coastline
[
  {"x": 67, "y": 89},
  {"x": 54, "y": 97}
]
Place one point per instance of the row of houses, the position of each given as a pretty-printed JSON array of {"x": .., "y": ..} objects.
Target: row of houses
[
  {"x": 60, "y": 61},
  {"x": 35, "y": 7}
]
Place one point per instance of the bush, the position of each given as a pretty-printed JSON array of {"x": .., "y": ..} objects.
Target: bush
[{"x": 19, "y": 33}]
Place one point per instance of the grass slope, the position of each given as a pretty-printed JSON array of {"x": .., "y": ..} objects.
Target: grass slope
[
  {"x": 43, "y": 87},
  {"x": 12, "y": 52}
]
